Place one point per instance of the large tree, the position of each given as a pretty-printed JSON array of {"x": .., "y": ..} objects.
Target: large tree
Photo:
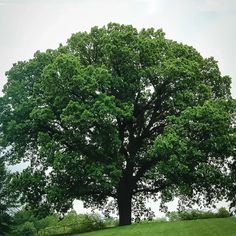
[{"x": 118, "y": 113}]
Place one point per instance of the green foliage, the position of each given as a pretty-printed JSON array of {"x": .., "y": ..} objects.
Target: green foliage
[
  {"x": 81, "y": 223},
  {"x": 24, "y": 215},
  {"x": 26, "y": 229},
  {"x": 223, "y": 213},
  {"x": 6, "y": 201},
  {"x": 120, "y": 113},
  {"x": 25, "y": 223},
  {"x": 5, "y": 222},
  {"x": 232, "y": 187},
  {"x": 48, "y": 221},
  {"x": 110, "y": 222},
  {"x": 196, "y": 214}
]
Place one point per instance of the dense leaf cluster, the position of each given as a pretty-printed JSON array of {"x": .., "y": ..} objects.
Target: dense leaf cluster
[
  {"x": 119, "y": 113},
  {"x": 25, "y": 223},
  {"x": 5, "y": 200}
]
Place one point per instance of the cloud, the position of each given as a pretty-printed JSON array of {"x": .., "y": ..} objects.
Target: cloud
[
  {"x": 218, "y": 5},
  {"x": 151, "y": 5}
]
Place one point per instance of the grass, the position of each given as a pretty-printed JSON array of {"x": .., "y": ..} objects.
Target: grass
[{"x": 207, "y": 227}]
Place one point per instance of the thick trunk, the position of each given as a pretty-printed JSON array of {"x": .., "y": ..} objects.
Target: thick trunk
[{"x": 124, "y": 206}]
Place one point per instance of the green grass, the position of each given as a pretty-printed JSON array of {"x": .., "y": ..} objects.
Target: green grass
[{"x": 207, "y": 227}]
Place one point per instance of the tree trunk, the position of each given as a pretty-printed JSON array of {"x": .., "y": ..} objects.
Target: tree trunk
[{"x": 124, "y": 206}]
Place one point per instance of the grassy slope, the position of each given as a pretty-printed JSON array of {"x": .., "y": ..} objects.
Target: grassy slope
[{"x": 209, "y": 227}]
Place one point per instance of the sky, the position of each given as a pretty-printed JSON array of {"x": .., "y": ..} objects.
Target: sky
[{"x": 30, "y": 25}]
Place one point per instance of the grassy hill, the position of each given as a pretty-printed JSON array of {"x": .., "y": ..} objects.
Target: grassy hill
[{"x": 208, "y": 227}]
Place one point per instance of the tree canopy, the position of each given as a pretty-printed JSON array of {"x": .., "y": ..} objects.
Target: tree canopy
[{"x": 121, "y": 113}]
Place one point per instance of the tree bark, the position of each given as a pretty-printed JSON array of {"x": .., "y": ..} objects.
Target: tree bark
[{"x": 124, "y": 206}]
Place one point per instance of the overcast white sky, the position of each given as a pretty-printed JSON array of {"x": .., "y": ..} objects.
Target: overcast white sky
[{"x": 30, "y": 25}]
